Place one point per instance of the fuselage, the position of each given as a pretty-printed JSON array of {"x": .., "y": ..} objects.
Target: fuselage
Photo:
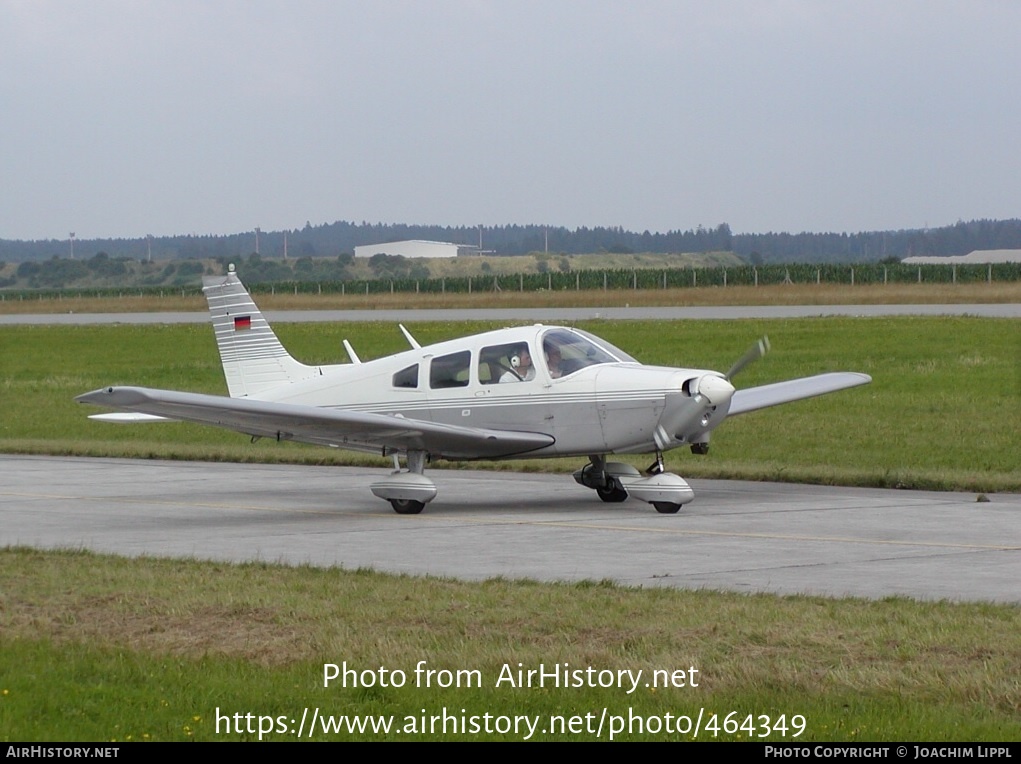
[{"x": 587, "y": 394}]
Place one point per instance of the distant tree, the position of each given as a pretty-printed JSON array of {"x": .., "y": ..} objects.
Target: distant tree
[
  {"x": 101, "y": 265},
  {"x": 389, "y": 266},
  {"x": 58, "y": 273},
  {"x": 28, "y": 269},
  {"x": 190, "y": 268}
]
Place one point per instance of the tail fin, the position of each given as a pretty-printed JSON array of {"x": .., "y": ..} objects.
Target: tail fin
[{"x": 252, "y": 356}]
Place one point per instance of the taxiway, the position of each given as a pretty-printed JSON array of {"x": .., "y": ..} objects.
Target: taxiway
[{"x": 737, "y": 536}]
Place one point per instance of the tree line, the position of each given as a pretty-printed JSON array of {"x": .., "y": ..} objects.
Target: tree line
[{"x": 341, "y": 237}]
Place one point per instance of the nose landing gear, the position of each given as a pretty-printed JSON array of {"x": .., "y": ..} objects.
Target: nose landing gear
[{"x": 615, "y": 481}]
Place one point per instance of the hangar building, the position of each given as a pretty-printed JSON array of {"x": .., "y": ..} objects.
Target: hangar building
[
  {"x": 416, "y": 248},
  {"x": 978, "y": 257}
]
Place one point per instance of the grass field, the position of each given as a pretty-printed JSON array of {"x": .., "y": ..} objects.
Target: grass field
[{"x": 102, "y": 648}]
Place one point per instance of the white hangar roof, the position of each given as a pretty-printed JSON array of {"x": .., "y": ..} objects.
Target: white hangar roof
[
  {"x": 416, "y": 248},
  {"x": 978, "y": 257}
]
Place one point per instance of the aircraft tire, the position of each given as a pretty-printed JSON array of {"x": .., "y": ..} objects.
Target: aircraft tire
[
  {"x": 613, "y": 492},
  {"x": 407, "y": 506},
  {"x": 666, "y": 507}
]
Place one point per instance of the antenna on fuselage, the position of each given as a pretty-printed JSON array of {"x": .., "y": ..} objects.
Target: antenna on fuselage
[
  {"x": 351, "y": 352},
  {"x": 409, "y": 338}
]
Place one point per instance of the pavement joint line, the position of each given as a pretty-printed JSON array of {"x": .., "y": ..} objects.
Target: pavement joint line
[
  {"x": 548, "y": 523},
  {"x": 785, "y": 537},
  {"x": 178, "y": 503}
]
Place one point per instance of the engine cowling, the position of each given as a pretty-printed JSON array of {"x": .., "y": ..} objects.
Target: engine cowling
[{"x": 700, "y": 405}]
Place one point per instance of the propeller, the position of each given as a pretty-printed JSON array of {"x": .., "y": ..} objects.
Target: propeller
[{"x": 754, "y": 353}]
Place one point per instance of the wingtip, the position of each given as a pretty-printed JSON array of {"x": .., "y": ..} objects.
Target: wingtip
[
  {"x": 113, "y": 396},
  {"x": 92, "y": 396}
]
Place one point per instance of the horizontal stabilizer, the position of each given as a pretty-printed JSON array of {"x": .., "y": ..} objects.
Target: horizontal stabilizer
[
  {"x": 755, "y": 398},
  {"x": 360, "y": 431}
]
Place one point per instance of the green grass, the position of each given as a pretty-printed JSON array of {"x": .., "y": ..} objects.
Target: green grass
[
  {"x": 941, "y": 413},
  {"x": 101, "y": 648}
]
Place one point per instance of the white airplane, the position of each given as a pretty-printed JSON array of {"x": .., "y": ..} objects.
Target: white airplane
[{"x": 527, "y": 391}]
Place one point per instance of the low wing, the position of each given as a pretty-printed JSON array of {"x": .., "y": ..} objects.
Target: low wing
[
  {"x": 323, "y": 426},
  {"x": 755, "y": 398}
]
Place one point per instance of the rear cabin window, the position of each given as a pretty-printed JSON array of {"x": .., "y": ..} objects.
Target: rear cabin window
[
  {"x": 450, "y": 370},
  {"x": 407, "y": 378}
]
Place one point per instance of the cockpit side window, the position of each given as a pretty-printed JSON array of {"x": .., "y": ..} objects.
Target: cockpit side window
[
  {"x": 511, "y": 362},
  {"x": 566, "y": 352},
  {"x": 450, "y": 370},
  {"x": 407, "y": 378}
]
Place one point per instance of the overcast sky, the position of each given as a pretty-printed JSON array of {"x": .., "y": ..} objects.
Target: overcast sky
[{"x": 122, "y": 118}]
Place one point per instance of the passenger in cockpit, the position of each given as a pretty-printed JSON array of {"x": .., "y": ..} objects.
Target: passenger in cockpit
[{"x": 553, "y": 358}]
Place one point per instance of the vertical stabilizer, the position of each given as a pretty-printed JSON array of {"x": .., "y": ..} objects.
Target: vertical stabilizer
[{"x": 253, "y": 358}]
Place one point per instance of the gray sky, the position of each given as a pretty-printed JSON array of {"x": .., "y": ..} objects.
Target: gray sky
[{"x": 121, "y": 118}]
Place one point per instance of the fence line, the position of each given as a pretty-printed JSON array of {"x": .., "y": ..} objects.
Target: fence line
[{"x": 583, "y": 280}]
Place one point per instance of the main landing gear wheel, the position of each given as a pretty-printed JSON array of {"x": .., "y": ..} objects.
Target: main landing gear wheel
[
  {"x": 409, "y": 506},
  {"x": 666, "y": 507},
  {"x": 613, "y": 492}
]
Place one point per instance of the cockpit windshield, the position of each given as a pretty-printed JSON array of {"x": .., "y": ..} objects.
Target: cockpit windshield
[
  {"x": 620, "y": 354},
  {"x": 567, "y": 351}
]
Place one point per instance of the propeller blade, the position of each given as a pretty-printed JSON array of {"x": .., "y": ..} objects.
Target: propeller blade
[{"x": 755, "y": 352}]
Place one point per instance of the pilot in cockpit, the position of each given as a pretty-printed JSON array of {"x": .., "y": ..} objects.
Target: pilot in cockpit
[
  {"x": 553, "y": 358},
  {"x": 521, "y": 363}
]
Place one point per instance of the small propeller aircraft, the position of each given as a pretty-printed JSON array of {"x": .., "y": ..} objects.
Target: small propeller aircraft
[{"x": 535, "y": 391}]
